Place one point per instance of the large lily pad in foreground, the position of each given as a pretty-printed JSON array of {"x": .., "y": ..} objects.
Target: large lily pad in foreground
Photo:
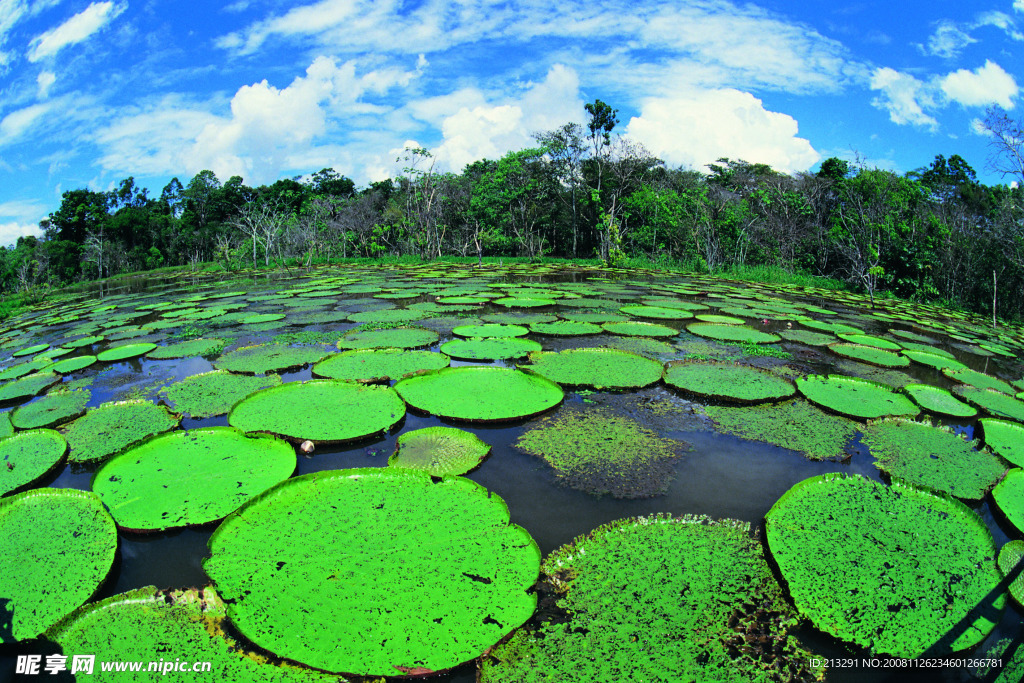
[
  {"x": 439, "y": 451},
  {"x": 378, "y": 365},
  {"x": 658, "y": 599},
  {"x": 27, "y": 456},
  {"x": 190, "y": 477},
  {"x": 855, "y": 397},
  {"x": 895, "y": 569},
  {"x": 326, "y": 410},
  {"x": 112, "y": 427},
  {"x": 213, "y": 393},
  {"x": 598, "y": 368},
  {"x": 729, "y": 381},
  {"x": 137, "y": 624},
  {"x": 483, "y": 394},
  {"x": 56, "y": 547},
  {"x": 378, "y": 571}
]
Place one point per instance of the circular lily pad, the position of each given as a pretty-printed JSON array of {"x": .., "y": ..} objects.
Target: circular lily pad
[
  {"x": 1009, "y": 496},
  {"x": 57, "y": 547},
  {"x": 936, "y": 400},
  {"x": 565, "y": 328},
  {"x": 69, "y": 365},
  {"x": 869, "y": 340},
  {"x": 490, "y": 349},
  {"x": 490, "y": 331},
  {"x": 125, "y": 352},
  {"x": 30, "y": 350},
  {"x": 657, "y": 599},
  {"x": 324, "y": 411},
  {"x": 978, "y": 379},
  {"x": 482, "y": 394},
  {"x": 1010, "y": 557},
  {"x": 733, "y": 333},
  {"x": 870, "y": 354},
  {"x": 439, "y": 451},
  {"x": 144, "y": 621},
  {"x": 52, "y": 409},
  {"x": 390, "y": 315},
  {"x": 398, "y": 338},
  {"x": 515, "y": 302},
  {"x": 720, "y": 319},
  {"x": 598, "y": 368},
  {"x": 186, "y": 349},
  {"x": 932, "y": 359},
  {"x": 84, "y": 341},
  {"x": 1005, "y": 439},
  {"x": 28, "y": 456},
  {"x": 300, "y": 568},
  {"x": 729, "y": 381},
  {"x": 378, "y": 365},
  {"x": 264, "y": 358},
  {"x": 112, "y": 427},
  {"x": 261, "y": 318},
  {"x": 935, "y": 457},
  {"x": 27, "y": 386},
  {"x": 917, "y": 570},
  {"x": 638, "y": 329},
  {"x": 855, "y": 397},
  {"x": 657, "y": 312},
  {"x": 213, "y": 393},
  {"x": 22, "y": 369},
  {"x": 993, "y": 402},
  {"x": 190, "y": 477}
]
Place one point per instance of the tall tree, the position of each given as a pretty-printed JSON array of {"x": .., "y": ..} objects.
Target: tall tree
[{"x": 1006, "y": 142}]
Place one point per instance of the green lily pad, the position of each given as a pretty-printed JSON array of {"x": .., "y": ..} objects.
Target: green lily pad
[
  {"x": 732, "y": 333},
  {"x": 795, "y": 425},
  {"x": 1009, "y": 496},
  {"x": 993, "y": 402},
  {"x": 186, "y": 349},
  {"x": 598, "y": 368},
  {"x": 658, "y": 599},
  {"x": 855, "y": 397},
  {"x": 565, "y": 328},
  {"x": 398, "y": 338},
  {"x": 323, "y": 411},
  {"x": 807, "y": 337},
  {"x": 516, "y": 302},
  {"x": 84, "y": 341},
  {"x": 657, "y": 312},
  {"x": 1010, "y": 557},
  {"x": 144, "y": 621},
  {"x": 190, "y": 477},
  {"x": 1006, "y": 439},
  {"x": 389, "y": 315},
  {"x": 300, "y": 568},
  {"x": 112, "y": 427},
  {"x": 602, "y": 453},
  {"x": 491, "y": 331},
  {"x": 729, "y": 381},
  {"x": 490, "y": 349},
  {"x": 978, "y": 379},
  {"x": 519, "y": 318},
  {"x": 378, "y": 365},
  {"x": 58, "y": 545},
  {"x": 480, "y": 394},
  {"x": 213, "y": 393},
  {"x": 439, "y": 450},
  {"x": 6, "y": 428},
  {"x": 124, "y": 352},
  {"x": 935, "y": 457},
  {"x": 936, "y": 400},
  {"x": 638, "y": 329},
  {"x": 28, "y": 386},
  {"x": 28, "y": 456},
  {"x": 265, "y": 358},
  {"x": 52, "y": 409},
  {"x": 261, "y": 318},
  {"x": 22, "y": 369},
  {"x": 31, "y": 350},
  {"x": 69, "y": 365},
  {"x": 917, "y": 570},
  {"x": 870, "y": 354},
  {"x": 869, "y": 340},
  {"x": 720, "y": 319},
  {"x": 932, "y": 359},
  {"x": 595, "y": 317}
]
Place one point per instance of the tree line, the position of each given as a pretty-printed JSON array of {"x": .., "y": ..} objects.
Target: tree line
[{"x": 582, "y": 191}]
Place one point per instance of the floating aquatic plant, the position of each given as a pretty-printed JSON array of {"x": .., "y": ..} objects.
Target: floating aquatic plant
[
  {"x": 657, "y": 312},
  {"x": 265, "y": 358},
  {"x": 483, "y": 394},
  {"x": 1009, "y": 496},
  {"x": 439, "y": 451},
  {"x": 855, "y": 397},
  {"x": 125, "y": 352},
  {"x": 638, "y": 329},
  {"x": 490, "y": 349},
  {"x": 598, "y": 368},
  {"x": 936, "y": 400},
  {"x": 378, "y": 365},
  {"x": 27, "y": 386},
  {"x": 565, "y": 328},
  {"x": 729, "y": 381},
  {"x": 491, "y": 331},
  {"x": 993, "y": 402},
  {"x": 112, "y": 427},
  {"x": 870, "y": 354},
  {"x": 29, "y": 456},
  {"x": 796, "y": 425},
  {"x": 52, "y": 409},
  {"x": 69, "y": 365},
  {"x": 213, "y": 393},
  {"x": 978, "y": 379},
  {"x": 932, "y": 359},
  {"x": 1011, "y": 557},
  {"x": 1004, "y": 438},
  {"x": 732, "y": 333},
  {"x": 398, "y": 337},
  {"x": 185, "y": 349}
]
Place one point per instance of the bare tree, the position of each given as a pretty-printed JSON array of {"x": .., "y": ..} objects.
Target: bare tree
[
  {"x": 95, "y": 248},
  {"x": 260, "y": 221},
  {"x": 1007, "y": 143}
]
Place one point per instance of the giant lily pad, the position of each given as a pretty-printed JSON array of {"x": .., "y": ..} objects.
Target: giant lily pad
[
  {"x": 600, "y": 452},
  {"x": 190, "y": 477},
  {"x": 1004, "y": 438},
  {"x": 729, "y": 381},
  {"x": 870, "y": 354},
  {"x": 391, "y": 315},
  {"x": 917, "y": 570},
  {"x": 638, "y": 329},
  {"x": 144, "y": 621},
  {"x": 27, "y": 386},
  {"x": 327, "y": 410},
  {"x": 732, "y": 333},
  {"x": 491, "y": 331},
  {"x": 993, "y": 402},
  {"x": 398, "y": 338},
  {"x": 439, "y": 451},
  {"x": 598, "y": 368},
  {"x": 301, "y": 569},
  {"x": 796, "y": 425},
  {"x": 935, "y": 457},
  {"x": 936, "y": 400},
  {"x": 854, "y": 397},
  {"x": 192, "y": 347},
  {"x": 483, "y": 394},
  {"x": 657, "y": 312},
  {"x": 565, "y": 328},
  {"x": 869, "y": 340},
  {"x": 932, "y": 359},
  {"x": 978, "y": 379},
  {"x": 57, "y": 547},
  {"x": 125, "y": 352},
  {"x": 378, "y": 365},
  {"x": 112, "y": 427},
  {"x": 1011, "y": 557},
  {"x": 28, "y": 456},
  {"x": 1009, "y": 496},
  {"x": 30, "y": 350},
  {"x": 69, "y": 365},
  {"x": 265, "y": 358},
  {"x": 213, "y": 393},
  {"x": 53, "y": 409},
  {"x": 490, "y": 349},
  {"x": 658, "y": 599}
]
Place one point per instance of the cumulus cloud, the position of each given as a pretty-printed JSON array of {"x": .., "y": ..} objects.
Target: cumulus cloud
[
  {"x": 697, "y": 128},
  {"x": 75, "y": 30},
  {"x": 988, "y": 84},
  {"x": 19, "y": 218},
  {"x": 903, "y": 96}
]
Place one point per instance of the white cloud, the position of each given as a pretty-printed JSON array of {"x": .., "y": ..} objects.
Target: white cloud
[
  {"x": 697, "y": 128},
  {"x": 947, "y": 41},
  {"x": 988, "y": 84},
  {"x": 75, "y": 30},
  {"x": 45, "y": 81},
  {"x": 903, "y": 96},
  {"x": 23, "y": 218},
  {"x": 18, "y": 122},
  {"x": 1018, "y": 5},
  {"x": 11, "y": 231}
]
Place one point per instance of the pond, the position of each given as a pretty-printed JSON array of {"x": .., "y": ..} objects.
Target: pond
[{"x": 641, "y": 407}]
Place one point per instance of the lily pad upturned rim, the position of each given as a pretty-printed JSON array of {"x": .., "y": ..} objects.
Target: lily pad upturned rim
[
  {"x": 492, "y": 403},
  {"x": 997, "y": 437}
]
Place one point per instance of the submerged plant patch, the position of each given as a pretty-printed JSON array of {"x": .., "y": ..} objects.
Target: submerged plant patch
[
  {"x": 598, "y": 368},
  {"x": 300, "y": 569},
  {"x": 28, "y": 456},
  {"x": 439, "y": 450},
  {"x": 112, "y": 427},
  {"x": 729, "y": 381},
  {"x": 796, "y": 425},
  {"x": 918, "y": 570},
  {"x": 481, "y": 394}
]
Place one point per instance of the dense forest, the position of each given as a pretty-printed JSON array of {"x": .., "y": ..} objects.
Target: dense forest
[{"x": 933, "y": 234}]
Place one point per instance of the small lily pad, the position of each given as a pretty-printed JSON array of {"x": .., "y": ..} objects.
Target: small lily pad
[
  {"x": 483, "y": 394},
  {"x": 28, "y": 456},
  {"x": 439, "y": 451}
]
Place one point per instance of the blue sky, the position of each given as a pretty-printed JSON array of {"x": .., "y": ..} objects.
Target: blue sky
[{"x": 92, "y": 92}]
